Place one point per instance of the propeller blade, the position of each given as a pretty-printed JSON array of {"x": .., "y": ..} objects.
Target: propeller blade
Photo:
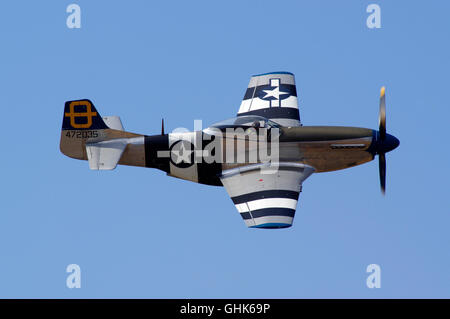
[
  {"x": 382, "y": 167},
  {"x": 162, "y": 126},
  {"x": 382, "y": 116}
]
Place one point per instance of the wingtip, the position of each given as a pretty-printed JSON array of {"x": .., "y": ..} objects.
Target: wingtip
[{"x": 275, "y": 72}]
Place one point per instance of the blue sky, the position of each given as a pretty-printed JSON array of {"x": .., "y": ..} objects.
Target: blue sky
[{"x": 138, "y": 233}]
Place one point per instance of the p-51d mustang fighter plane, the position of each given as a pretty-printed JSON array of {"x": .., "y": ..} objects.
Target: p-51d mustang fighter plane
[{"x": 234, "y": 153}]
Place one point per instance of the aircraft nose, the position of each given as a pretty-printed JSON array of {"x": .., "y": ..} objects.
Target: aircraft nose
[{"x": 390, "y": 143}]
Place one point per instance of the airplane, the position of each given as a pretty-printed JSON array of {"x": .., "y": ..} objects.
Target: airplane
[{"x": 235, "y": 153}]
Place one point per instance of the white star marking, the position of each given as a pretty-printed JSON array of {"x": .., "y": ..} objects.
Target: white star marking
[
  {"x": 275, "y": 93},
  {"x": 183, "y": 154}
]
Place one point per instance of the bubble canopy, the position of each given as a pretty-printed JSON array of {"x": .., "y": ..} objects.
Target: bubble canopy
[{"x": 246, "y": 121}]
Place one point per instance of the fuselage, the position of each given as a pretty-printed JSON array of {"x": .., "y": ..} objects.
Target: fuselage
[
  {"x": 192, "y": 155},
  {"x": 326, "y": 148}
]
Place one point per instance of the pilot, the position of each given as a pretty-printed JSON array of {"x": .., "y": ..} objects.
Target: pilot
[{"x": 256, "y": 124}]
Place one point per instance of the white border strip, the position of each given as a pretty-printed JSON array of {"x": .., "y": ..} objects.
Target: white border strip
[{"x": 267, "y": 203}]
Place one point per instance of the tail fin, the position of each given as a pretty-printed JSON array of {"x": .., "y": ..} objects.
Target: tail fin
[
  {"x": 82, "y": 115},
  {"x": 81, "y": 123}
]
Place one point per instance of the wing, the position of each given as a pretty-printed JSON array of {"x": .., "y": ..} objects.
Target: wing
[
  {"x": 266, "y": 197},
  {"x": 274, "y": 96}
]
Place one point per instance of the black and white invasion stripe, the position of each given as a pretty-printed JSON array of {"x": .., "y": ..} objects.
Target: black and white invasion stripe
[
  {"x": 273, "y": 96},
  {"x": 274, "y": 208}
]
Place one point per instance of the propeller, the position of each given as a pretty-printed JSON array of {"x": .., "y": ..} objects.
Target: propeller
[
  {"x": 382, "y": 130},
  {"x": 162, "y": 126},
  {"x": 382, "y": 168},
  {"x": 382, "y": 116}
]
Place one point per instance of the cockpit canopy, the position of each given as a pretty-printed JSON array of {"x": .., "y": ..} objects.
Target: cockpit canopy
[{"x": 245, "y": 122}]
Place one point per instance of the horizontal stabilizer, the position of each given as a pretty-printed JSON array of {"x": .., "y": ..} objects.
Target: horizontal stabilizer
[{"x": 105, "y": 155}]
